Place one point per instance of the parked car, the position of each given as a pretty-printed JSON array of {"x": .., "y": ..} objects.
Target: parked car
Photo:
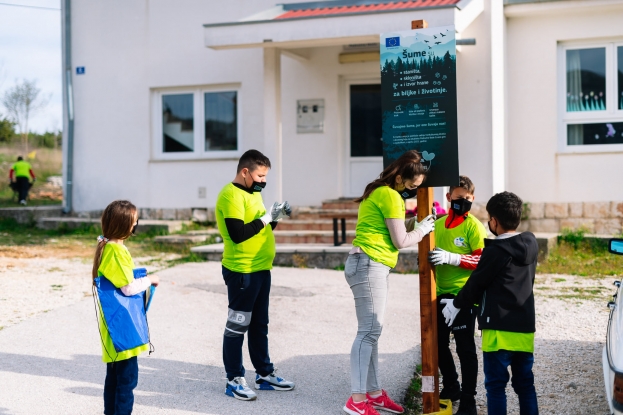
[{"x": 613, "y": 351}]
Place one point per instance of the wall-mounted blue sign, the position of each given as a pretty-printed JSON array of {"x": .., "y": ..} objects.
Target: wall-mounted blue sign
[
  {"x": 80, "y": 70},
  {"x": 418, "y": 89}
]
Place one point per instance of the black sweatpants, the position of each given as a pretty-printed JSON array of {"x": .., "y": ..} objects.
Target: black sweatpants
[
  {"x": 22, "y": 186},
  {"x": 248, "y": 296},
  {"x": 463, "y": 330}
]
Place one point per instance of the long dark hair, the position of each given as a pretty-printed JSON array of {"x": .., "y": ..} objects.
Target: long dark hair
[
  {"x": 408, "y": 166},
  {"x": 117, "y": 223}
]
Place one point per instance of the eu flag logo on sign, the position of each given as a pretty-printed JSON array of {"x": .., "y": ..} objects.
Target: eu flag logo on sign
[{"x": 392, "y": 41}]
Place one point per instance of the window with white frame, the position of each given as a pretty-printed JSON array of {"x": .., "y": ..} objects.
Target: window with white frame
[
  {"x": 593, "y": 101},
  {"x": 196, "y": 123}
]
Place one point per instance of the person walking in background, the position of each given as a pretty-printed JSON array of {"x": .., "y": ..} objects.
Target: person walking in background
[
  {"x": 19, "y": 177},
  {"x": 381, "y": 231}
]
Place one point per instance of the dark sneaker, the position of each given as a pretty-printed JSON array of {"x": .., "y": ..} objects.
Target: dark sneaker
[
  {"x": 467, "y": 406},
  {"x": 452, "y": 393}
]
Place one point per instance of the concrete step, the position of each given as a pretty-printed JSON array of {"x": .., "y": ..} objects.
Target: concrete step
[
  {"x": 325, "y": 256},
  {"x": 156, "y": 226},
  {"x": 313, "y": 225},
  {"x": 318, "y": 213},
  {"x": 183, "y": 239},
  {"x": 345, "y": 203},
  {"x": 309, "y": 237},
  {"x": 27, "y": 214}
]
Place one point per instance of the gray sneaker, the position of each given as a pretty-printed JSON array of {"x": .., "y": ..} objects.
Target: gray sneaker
[
  {"x": 238, "y": 388},
  {"x": 272, "y": 382}
]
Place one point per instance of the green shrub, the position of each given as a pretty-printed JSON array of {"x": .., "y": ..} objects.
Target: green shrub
[{"x": 574, "y": 238}]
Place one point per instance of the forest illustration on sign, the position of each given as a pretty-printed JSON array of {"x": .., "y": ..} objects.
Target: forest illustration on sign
[{"x": 417, "y": 66}]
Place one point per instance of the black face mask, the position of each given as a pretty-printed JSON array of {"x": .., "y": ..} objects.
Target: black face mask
[
  {"x": 408, "y": 193},
  {"x": 492, "y": 231},
  {"x": 256, "y": 186},
  {"x": 134, "y": 228},
  {"x": 460, "y": 206}
]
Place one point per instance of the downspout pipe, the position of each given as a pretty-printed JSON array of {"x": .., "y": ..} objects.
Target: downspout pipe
[{"x": 69, "y": 107}]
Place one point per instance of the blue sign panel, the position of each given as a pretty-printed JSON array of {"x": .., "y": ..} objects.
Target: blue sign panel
[
  {"x": 80, "y": 70},
  {"x": 418, "y": 90}
]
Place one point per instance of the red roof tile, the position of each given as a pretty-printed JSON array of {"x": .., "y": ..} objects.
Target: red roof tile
[{"x": 370, "y": 8}]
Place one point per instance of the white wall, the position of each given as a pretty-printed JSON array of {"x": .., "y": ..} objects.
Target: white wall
[
  {"x": 538, "y": 172},
  {"x": 474, "y": 105},
  {"x": 127, "y": 49},
  {"x": 132, "y": 48}
]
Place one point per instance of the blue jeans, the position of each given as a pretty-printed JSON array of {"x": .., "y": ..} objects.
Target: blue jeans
[
  {"x": 496, "y": 377},
  {"x": 368, "y": 280},
  {"x": 121, "y": 379},
  {"x": 248, "y": 296}
]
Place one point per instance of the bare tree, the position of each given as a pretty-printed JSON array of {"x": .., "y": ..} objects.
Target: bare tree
[{"x": 21, "y": 102}]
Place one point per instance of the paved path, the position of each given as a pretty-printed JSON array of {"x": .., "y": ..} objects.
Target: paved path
[{"x": 51, "y": 364}]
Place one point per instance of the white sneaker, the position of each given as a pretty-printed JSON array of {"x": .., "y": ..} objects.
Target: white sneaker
[
  {"x": 272, "y": 382},
  {"x": 238, "y": 388},
  {"x": 22, "y": 202}
]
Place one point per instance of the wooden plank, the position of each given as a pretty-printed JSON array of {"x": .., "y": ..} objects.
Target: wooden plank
[{"x": 428, "y": 297}]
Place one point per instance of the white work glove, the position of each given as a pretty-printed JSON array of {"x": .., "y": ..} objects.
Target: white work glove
[
  {"x": 277, "y": 211},
  {"x": 426, "y": 226},
  {"x": 449, "y": 311},
  {"x": 440, "y": 257}
]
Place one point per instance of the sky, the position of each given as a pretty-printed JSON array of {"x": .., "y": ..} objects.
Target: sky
[{"x": 30, "y": 48}]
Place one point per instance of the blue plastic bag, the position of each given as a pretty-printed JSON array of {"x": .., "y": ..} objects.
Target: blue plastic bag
[{"x": 125, "y": 317}]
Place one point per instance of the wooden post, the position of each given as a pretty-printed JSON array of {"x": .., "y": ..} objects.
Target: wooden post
[{"x": 428, "y": 297}]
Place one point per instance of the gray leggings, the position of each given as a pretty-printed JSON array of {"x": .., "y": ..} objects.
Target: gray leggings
[{"x": 368, "y": 281}]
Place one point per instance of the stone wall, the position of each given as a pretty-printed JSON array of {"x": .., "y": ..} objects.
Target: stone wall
[{"x": 600, "y": 218}]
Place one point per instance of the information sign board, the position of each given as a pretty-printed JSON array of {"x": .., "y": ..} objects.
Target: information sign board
[{"x": 418, "y": 87}]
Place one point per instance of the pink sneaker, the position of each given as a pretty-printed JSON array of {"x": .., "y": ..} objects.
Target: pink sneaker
[
  {"x": 385, "y": 403},
  {"x": 359, "y": 408}
]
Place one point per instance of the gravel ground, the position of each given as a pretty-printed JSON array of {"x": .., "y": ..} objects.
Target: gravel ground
[
  {"x": 36, "y": 290},
  {"x": 570, "y": 336}
]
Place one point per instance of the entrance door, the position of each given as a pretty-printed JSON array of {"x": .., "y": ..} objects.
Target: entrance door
[{"x": 364, "y": 161}]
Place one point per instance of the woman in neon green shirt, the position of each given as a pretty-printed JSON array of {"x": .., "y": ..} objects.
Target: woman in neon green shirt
[
  {"x": 113, "y": 261},
  {"x": 381, "y": 232}
]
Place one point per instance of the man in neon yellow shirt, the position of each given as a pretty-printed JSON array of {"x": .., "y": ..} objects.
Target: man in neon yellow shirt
[
  {"x": 460, "y": 238},
  {"x": 247, "y": 230},
  {"x": 19, "y": 177},
  {"x": 503, "y": 286}
]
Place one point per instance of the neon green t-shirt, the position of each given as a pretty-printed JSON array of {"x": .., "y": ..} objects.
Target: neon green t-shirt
[
  {"x": 22, "y": 169},
  {"x": 256, "y": 253},
  {"x": 371, "y": 234},
  {"x": 494, "y": 340},
  {"x": 463, "y": 239},
  {"x": 117, "y": 266}
]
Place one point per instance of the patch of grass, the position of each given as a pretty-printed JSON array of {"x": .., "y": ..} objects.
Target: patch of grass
[
  {"x": 57, "y": 287},
  {"x": 584, "y": 257},
  {"x": 559, "y": 280},
  {"x": 54, "y": 269},
  {"x": 413, "y": 395},
  {"x": 340, "y": 267},
  {"x": 572, "y": 237}
]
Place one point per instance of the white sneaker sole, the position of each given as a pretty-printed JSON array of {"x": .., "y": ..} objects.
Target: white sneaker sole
[
  {"x": 348, "y": 411},
  {"x": 382, "y": 408},
  {"x": 258, "y": 386}
]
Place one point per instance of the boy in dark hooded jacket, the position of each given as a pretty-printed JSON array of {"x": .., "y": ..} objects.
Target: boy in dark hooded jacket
[{"x": 502, "y": 284}]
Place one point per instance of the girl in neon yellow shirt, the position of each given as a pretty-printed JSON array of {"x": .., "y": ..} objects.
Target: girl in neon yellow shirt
[
  {"x": 381, "y": 232},
  {"x": 113, "y": 261}
]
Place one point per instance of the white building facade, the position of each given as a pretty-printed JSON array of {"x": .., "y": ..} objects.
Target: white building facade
[{"x": 164, "y": 97}]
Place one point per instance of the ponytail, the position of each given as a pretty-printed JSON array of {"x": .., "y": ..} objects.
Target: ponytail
[{"x": 97, "y": 259}]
